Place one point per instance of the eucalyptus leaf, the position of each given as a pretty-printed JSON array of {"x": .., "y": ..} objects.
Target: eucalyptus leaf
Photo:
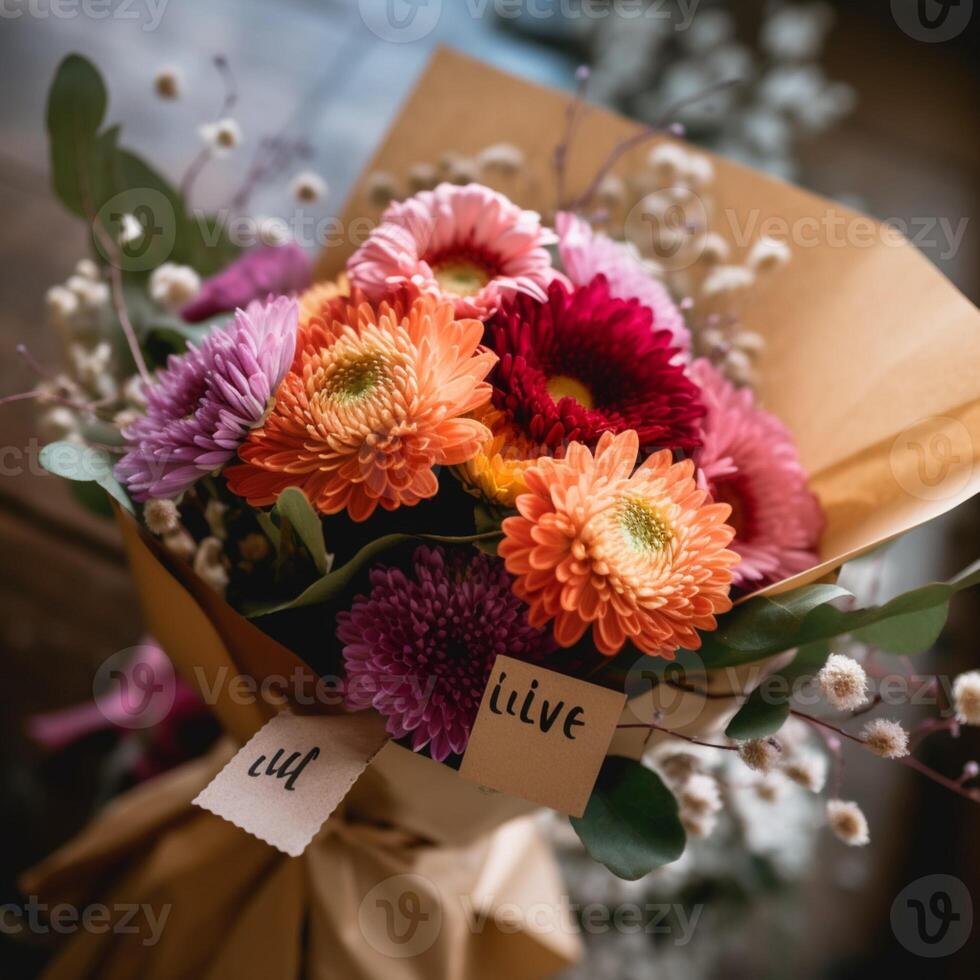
[
  {"x": 631, "y": 824},
  {"x": 293, "y": 506},
  {"x": 84, "y": 464},
  {"x": 759, "y": 716}
]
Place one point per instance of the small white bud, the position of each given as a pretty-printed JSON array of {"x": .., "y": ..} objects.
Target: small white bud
[
  {"x": 180, "y": 544},
  {"x": 760, "y": 754},
  {"x": 668, "y": 160},
  {"x": 768, "y": 253},
  {"x": 87, "y": 269},
  {"x": 843, "y": 682},
  {"x": 848, "y": 822},
  {"x": 222, "y": 136},
  {"x": 966, "y": 698},
  {"x": 214, "y": 514},
  {"x": 698, "y": 171},
  {"x": 611, "y": 192},
  {"x": 130, "y": 230},
  {"x": 56, "y": 423},
  {"x": 174, "y": 286},
  {"x": 273, "y": 231},
  {"x": 808, "y": 771},
  {"x": 62, "y": 305},
  {"x": 699, "y": 795},
  {"x": 161, "y": 516},
  {"x": 505, "y": 158},
  {"x": 422, "y": 177},
  {"x": 209, "y": 564},
  {"x": 727, "y": 278},
  {"x": 308, "y": 187},
  {"x": 713, "y": 248},
  {"x": 381, "y": 188},
  {"x": 886, "y": 738}
]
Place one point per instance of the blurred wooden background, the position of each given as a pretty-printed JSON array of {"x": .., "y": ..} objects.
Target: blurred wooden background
[{"x": 910, "y": 150}]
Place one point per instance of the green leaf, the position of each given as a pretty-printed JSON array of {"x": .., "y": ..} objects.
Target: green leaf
[
  {"x": 759, "y": 716},
  {"x": 762, "y": 627},
  {"x": 75, "y": 110},
  {"x": 331, "y": 585},
  {"x": 631, "y": 824},
  {"x": 293, "y": 506},
  {"x": 84, "y": 464}
]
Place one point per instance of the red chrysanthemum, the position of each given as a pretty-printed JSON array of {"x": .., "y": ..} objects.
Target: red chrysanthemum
[{"x": 583, "y": 363}]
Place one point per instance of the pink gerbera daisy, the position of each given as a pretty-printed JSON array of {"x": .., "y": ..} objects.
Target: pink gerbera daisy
[
  {"x": 749, "y": 460},
  {"x": 586, "y": 254},
  {"x": 467, "y": 244}
]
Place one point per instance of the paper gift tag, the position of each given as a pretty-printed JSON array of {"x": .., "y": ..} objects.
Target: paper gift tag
[
  {"x": 541, "y": 735},
  {"x": 289, "y": 777}
]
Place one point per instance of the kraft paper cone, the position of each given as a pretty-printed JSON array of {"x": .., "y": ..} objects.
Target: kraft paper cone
[
  {"x": 239, "y": 908},
  {"x": 872, "y": 359}
]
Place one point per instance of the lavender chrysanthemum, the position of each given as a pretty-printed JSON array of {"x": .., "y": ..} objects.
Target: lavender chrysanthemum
[
  {"x": 204, "y": 403},
  {"x": 421, "y": 646}
]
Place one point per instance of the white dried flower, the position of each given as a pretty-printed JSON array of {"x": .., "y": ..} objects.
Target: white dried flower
[
  {"x": 463, "y": 171},
  {"x": 58, "y": 422},
  {"x": 749, "y": 341},
  {"x": 161, "y": 515},
  {"x": 886, "y": 738},
  {"x": 769, "y": 788},
  {"x": 698, "y": 171},
  {"x": 62, "y": 306},
  {"x": 727, "y": 278},
  {"x": 381, "y": 188},
  {"x": 308, "y": 187},
  {"x": 678, "y": 766},
  {"x": 87, "y": 269},
  {"x": 422, "y": 177},
  {"x": 272, "y": 231},
  {"x": 843, "y": 682},
  {"x": 611, "y": 192},
  {"x": 209, "y": 563},
  {"x": 222, "y": 136},
  {"x": 505, "y": 158},
  {"x": 125, "y": 418},
  {"x": 808, "y": 770},
  {"x": 737, "y": 367},
  {"x": 760, "y": 754},
  {"x": 699, "y": 795},
  {"x": 180, "y": 544},
  {"x": 712, "y": 248},
  {"x": 668, "y": 160},
  {"x": 174, "y": 286},
  {"x": 92, "y": 294},
  {"x": 847, "y": 822},
  {"x": 768, "y": 253},
  {"x": 698, "y": 825},
  {"x": 90, "y": 364},
  {"x": 130, "y": 230},
  {"x": 966, "y": 698},
  {"x": 214, "y": 514},
  {"x": 166, "y": 83}
]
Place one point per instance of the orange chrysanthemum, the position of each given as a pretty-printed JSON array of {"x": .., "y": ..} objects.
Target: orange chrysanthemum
[
  {"x": 639, "y": 556},
  {"x": 373, "y": 401},
  {"x": 313, "y": 301},
  {"x": 496, "y": 472}
]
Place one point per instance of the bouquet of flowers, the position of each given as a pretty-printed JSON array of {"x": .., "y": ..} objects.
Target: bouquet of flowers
[{"x": 583, "y": 445}]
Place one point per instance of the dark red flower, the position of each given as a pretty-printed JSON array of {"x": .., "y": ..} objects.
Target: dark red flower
[{"x": 583, "y": 363}]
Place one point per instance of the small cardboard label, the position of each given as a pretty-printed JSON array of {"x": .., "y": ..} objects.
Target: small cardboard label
[
  {"x": 290, "y": 776},
  {"x": 541, "y": 736}
]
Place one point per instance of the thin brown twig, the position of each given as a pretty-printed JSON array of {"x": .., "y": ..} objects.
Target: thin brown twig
[{"x": 675, "y": 734}]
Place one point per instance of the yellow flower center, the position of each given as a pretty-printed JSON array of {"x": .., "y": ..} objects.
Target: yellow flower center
[
  {"x": 461, "y": 277},
  {"x": 643, "y": 527},
  {"x": 355, "y": 377},
  {"x": 562, "y": 386}
]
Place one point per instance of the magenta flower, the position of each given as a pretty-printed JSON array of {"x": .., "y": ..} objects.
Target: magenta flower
[
  {"x": 749, "y": 460},
  {"x": 467, "y": 244},
  {"x": 205, "y": 402},
  {"x": 421, "y": 646},
  {"x": 270, "y": 269},
  {"x": 586, "y": 253}
]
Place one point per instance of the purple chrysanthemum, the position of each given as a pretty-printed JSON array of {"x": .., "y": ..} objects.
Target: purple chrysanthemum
[
  {"x": 420, "y": 647},
  {"x": 203, "y": 404}
]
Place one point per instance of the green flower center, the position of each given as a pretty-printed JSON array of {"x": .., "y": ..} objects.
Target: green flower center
[
  {"x": 461, "y": 277},
  {"x": 643, "y": 527},
  {"x": 357, "y": 377}
]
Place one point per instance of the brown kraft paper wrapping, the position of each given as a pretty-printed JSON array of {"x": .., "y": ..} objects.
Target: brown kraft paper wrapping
[{"x": 228, "y": 905}]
